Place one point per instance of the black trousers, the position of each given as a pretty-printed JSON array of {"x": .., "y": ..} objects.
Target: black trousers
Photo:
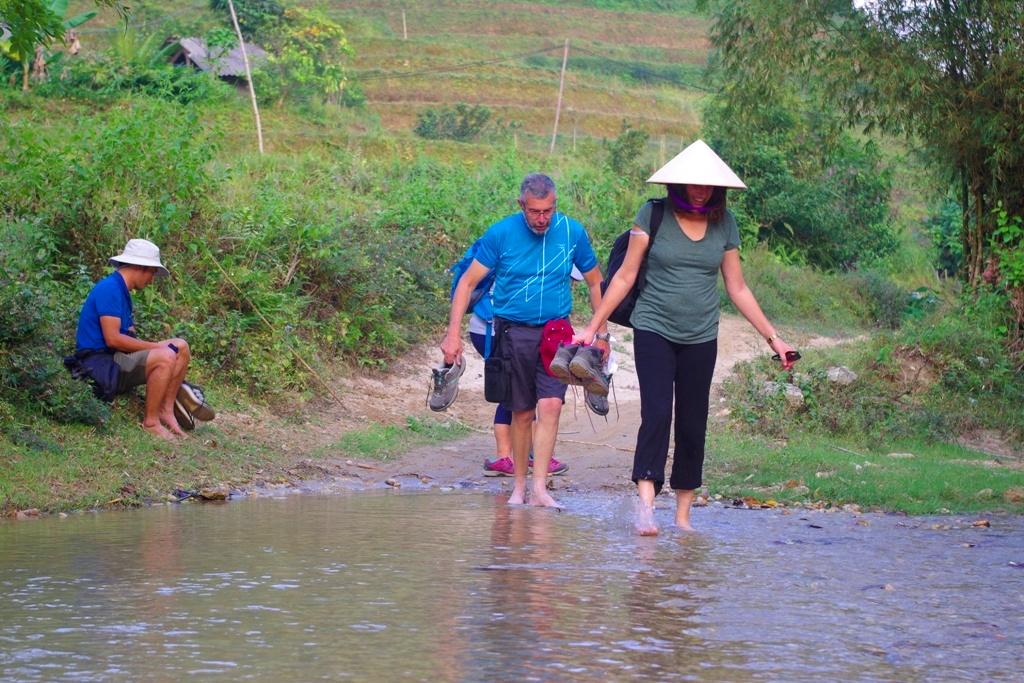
[{"x": 666, "y": 371}]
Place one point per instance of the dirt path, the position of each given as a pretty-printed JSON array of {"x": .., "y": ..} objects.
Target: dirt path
[{"x": 599, "y": 451}]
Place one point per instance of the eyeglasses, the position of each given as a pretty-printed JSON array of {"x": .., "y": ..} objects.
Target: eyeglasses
[
  {"x": 539, "y": 213},
  {"x": 791, "y": 356}
]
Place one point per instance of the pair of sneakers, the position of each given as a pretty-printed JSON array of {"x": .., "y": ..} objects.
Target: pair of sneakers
[
  {"x": 444, "y": 386},
  {"x": 504, "y": 467},
  {"x": 581, "y": 366}
]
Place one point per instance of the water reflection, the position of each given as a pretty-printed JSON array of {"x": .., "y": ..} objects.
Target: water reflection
[{"x": 463, "y": 587}]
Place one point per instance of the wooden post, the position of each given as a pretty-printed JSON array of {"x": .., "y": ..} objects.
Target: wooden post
[
  {"x": 405, "y": 30},
  {"x": 661, "y": 154},
  {"x": 248, "y": 75},
  {"x": 561, "y": 86}
]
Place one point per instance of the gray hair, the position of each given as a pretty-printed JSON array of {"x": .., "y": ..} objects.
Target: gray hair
[{"x": 536, "y": 185}]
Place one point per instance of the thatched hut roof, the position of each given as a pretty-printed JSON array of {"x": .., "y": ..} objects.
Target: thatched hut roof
[{"x": 222, "y": 62}]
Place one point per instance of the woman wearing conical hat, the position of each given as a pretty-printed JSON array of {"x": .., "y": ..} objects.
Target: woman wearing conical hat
[{"x": 675, "y": 320}]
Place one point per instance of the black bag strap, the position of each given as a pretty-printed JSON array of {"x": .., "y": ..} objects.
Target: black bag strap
[{"x": 657, "y": 212}]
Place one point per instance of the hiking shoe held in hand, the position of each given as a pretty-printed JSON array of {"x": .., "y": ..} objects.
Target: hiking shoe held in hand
[
  {"x": 444, "y": 387},
  {"x": 586, "y": 365},
  {"x": 194, "y": 401},
  {"x": 560, "y": 363},
  {"x": 597, "y": 404},
  {"x": 499, "y": 467}
]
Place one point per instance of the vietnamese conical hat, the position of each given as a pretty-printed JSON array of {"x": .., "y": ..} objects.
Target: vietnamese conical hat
[{"x": 697, "y": 165}]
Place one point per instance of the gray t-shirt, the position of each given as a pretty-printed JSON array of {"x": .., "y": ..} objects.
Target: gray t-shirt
[{"x": 680, "y": 299}]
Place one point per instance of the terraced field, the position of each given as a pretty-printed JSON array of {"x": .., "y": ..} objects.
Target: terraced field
[
  {"x": 627, "y": 63},
  {"x": 640, "y": 67}
]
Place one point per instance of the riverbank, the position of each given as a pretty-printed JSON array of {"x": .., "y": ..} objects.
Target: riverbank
[{"x": 380, "y": 434}]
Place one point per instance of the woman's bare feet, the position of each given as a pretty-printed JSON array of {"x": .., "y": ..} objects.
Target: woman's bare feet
[
  {"x": 643, "y": 518},
  {"x": 684, "y": 500},
  {"x": 643, "y": 513}
]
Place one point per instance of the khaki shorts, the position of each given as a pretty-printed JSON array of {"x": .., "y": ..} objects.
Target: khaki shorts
[{"x": 133, "y": 369}]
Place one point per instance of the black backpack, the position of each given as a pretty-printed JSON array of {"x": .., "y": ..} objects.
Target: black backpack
[{"x": 622, "y": 312}]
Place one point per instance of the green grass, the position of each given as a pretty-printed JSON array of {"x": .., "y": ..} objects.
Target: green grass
[
  {"x": 61, "y": 468},
  {"x": 74, "y": 467},
  {"x": 383, "y": 442},
  {"x": 935, "y": 478}
]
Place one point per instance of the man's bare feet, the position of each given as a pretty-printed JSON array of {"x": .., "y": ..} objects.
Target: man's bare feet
[
  {"x": 518, "y": 496},
  {"x": 542, "y": 498},
  {"x": 643, "y": 518},
  {"x": 172, "y": 425},
  {"x": 158, "y": 431}
]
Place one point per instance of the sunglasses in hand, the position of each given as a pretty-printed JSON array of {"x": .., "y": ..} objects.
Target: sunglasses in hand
[{"x": 791, "y": 356}]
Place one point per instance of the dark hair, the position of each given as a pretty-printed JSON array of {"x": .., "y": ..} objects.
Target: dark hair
[{"x": 717, "y": 204}]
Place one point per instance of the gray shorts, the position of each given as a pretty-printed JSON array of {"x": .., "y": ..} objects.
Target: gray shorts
[
  {"x": 528, "y": 380},
  {"x": 133, "y": 369}
]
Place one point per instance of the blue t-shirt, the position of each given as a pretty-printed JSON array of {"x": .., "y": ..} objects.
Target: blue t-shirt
[
  {"x": 532, "y": 284},
  {"x": 108, "y": 297}
]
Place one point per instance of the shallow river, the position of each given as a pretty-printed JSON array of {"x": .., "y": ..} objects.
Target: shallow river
[{"x": 459, "y": 587}]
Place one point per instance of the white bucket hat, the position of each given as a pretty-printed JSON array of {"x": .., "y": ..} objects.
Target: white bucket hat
[
  {"x": 140, "y": 252},
  {"x": 697, "y": 165}
]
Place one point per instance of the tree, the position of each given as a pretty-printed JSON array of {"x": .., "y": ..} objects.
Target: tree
[
  {"x": 307, "y": 58},
  {"x": 946, "y": 74},
  {"x": 33, "y": 23},
  {"x": 817, "y": 194},
  {"x": 255, "y": 17}
]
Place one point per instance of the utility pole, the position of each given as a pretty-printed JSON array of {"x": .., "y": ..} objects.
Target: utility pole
[
  {"x": 561, "y": 86},
  {"x": 248, "y": 75}
]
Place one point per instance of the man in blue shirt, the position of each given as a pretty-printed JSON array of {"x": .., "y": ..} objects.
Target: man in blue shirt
[
  {"x": 532, "y": 254},
  {"x": 111, "y": 353}
]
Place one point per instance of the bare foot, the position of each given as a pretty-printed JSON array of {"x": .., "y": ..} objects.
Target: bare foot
[
  {"x": 518, "y": 497},
  {"x": 543, "y": 499},
  {"x": 643, "y": 519},
  {"x": 172, "y": 425},
  {"x": 684, "y": 523},
  {"x": 158, "y": 430}
]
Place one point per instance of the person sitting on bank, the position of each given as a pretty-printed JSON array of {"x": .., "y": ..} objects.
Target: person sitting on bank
[{"x": 113, "y": 356}]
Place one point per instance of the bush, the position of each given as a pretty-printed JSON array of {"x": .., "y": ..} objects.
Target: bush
[
  {"x": 32, "y": 317},
  {"x": 944, "y": 230},
  {"x": 460, "y": 122},
  {"x": 625, "y": 154},
  {"x": 939, "y": 376},
  {"x": 105, "y": 79},
  {"x": 138, "y": 65},
  {"x": 816, "y": 196}
]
